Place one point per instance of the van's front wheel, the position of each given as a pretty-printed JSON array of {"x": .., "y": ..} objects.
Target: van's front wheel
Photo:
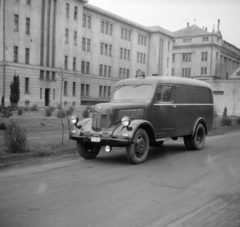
[{"x": 138, "y": 151}]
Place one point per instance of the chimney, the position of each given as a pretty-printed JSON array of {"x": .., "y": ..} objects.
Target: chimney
[
  {"x": 206, "y": 29},
  {"x": 218, "y": 24},
  {"x": 187, "y": 24}
]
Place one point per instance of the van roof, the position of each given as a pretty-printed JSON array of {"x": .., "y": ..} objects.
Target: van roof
[{"x": 154, "y": 80}]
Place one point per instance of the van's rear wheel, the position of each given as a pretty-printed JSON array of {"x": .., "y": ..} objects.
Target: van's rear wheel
[
  {"x": 138, "y": 151},
  {"x": 197, "y": 141},
  {"x": 88, "y": 151}
]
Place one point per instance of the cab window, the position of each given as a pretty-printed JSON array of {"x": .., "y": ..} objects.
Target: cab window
[{"x": 164, "y": 93}]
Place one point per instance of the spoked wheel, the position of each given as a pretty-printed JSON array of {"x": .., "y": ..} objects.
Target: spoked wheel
[
  {"x": 197, "y": 141},
  {"x": 88, "y": 151},
  {"x": 138, "y": 151}
]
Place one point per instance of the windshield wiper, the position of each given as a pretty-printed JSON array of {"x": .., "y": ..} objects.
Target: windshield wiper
[
  {"x": 137, "y": 85},
  {"x": 117, "y": 88}
]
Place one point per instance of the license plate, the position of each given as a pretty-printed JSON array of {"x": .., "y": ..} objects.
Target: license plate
[{"x": 95, "y": 139}]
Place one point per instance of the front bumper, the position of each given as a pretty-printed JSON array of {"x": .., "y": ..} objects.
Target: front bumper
[{"x": 103, "y": 141}]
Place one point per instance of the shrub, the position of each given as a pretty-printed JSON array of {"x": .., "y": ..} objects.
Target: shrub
[
  {"x": 238, "y": 120},
  {"x": 48, "y": 112},
  {"x": 34, "y": 107},
  {"x": 15, "y": 137},
  {"x": 20, "y": 111},
  {"x": 70, "y": 110},
  {"x": 52, "y": 108},
  {"x": 226, "y": 121},
  {"x": 3, "y": 126},
  {"x": 26, "y": 108},
  {"x": 61, "y": 113}
]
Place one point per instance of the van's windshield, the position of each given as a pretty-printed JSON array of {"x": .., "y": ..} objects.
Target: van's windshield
[{"x": 132, "y": 92}]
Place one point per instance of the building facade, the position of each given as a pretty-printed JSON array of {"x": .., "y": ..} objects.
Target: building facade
[
  {"x": 75, "y": 49},
  {"x": 203, "y": 55}
]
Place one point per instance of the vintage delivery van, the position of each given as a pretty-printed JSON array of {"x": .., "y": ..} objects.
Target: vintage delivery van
[{"x": 144, "y": 112}]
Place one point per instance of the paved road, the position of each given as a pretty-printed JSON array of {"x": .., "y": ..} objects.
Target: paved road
[{"x": 174, "y": 187}]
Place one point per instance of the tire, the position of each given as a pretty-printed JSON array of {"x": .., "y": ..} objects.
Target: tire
[
  {"x": 88, "y": 151},
  {"x": 187, "y": 142},
  {"x": 138, "y": 151},
  {"x": 198, "y": 140}
]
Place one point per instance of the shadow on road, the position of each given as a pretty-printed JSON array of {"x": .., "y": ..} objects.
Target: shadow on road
[{"x": 118, "y": 156}]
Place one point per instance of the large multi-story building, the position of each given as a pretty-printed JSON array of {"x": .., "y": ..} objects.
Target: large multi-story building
[
  {"x": 200, "y": 54},
  {"x": 70, "y": 45}
]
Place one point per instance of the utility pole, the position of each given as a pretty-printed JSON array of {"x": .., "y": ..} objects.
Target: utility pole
[{"x": 3, "y": 63}]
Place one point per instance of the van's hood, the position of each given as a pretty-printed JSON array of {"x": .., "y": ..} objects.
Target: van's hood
[{"x": 109, "y": 114}]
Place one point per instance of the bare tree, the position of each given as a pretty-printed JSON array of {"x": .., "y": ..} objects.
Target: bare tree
[{"x": 62, "y": 76}]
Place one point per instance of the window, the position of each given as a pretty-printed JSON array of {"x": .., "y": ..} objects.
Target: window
[
  {"x": 87, "y": 89},
  {"x": 111, "y": 29},
  {"x": 100, "y": 91},
  {"x": 26, "y": 85},
  {"x": 205, "y": 39},
  {"x": 16, "y": 23},
  {"x": 66, "y": 62},
  {"x": 106, "y": 49},
  {"x": 106, "y": 28},
  {"x": 27, "y": 56},
  {"x": 109, "y": 71},
  {"x": 87, "y": 67},
  {"x": 173, "y": 58},
  {"x": 89, "y": 22},
  {"x": 109, "y": 91},
  {"x": 53, "y": 93},
  {"x": 66, "y": 35},
  {"x": 47, "y": 75},
  {"x": 204, "y": 56},
  {"x": 105, "y": 70},
  {"x": 41, "y": 74},
  {"x": 100, "y": 69},
  {"x": 28, "y": 2},
  {"x": 53, "y": 76},
  {"x": 172, "y": 71},
  {"x": 75, "y": 12},
  {"x": 15, "y": 50},
  {"x": 164, "y": 94},
  {"x": 125, "y": 34},
  {"x": 101, "y": 49},
  {"x": 83, "y": 43},
  {"x": 65, "y": 88},
  {"x": 40, "y": 93},
  {"x": 74, "y": 63},
  {"x": 83, "y": 67},
  {"x": 74, "y": 89},
  {"x": 110, "y": 50},
  {"x": 186, "y": 57},
  {"x": 186, "y": 72},
  {"x": 120, "y": 72},
  {"x": 75, "y": 38},
  {"x": 121, "y": 53},
  {"x": 88, "y": 44},
  {"x": 84, "y": 22},
  {"x": 82, "y": 89},
  {"x": 203, "y": 70},
  {"x": 28, "y": 26},
  {"x": 67, "y": 10},
  {"x": 127, "y": 73}
]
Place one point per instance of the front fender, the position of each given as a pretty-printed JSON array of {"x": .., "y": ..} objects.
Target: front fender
[
  {"x": 129, "y": 132},
  {"x": 199, "y": 120}
]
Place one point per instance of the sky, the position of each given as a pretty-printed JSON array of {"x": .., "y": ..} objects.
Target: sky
[{"x": 174, "y": 15}]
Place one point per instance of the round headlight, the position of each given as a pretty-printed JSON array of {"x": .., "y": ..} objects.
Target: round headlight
[
  {"x": 126, "y": 121},
  {"x": 74, "y": 119}
]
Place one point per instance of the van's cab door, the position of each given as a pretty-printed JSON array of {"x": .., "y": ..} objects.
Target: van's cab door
[{"x": 164, "y": 111}]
